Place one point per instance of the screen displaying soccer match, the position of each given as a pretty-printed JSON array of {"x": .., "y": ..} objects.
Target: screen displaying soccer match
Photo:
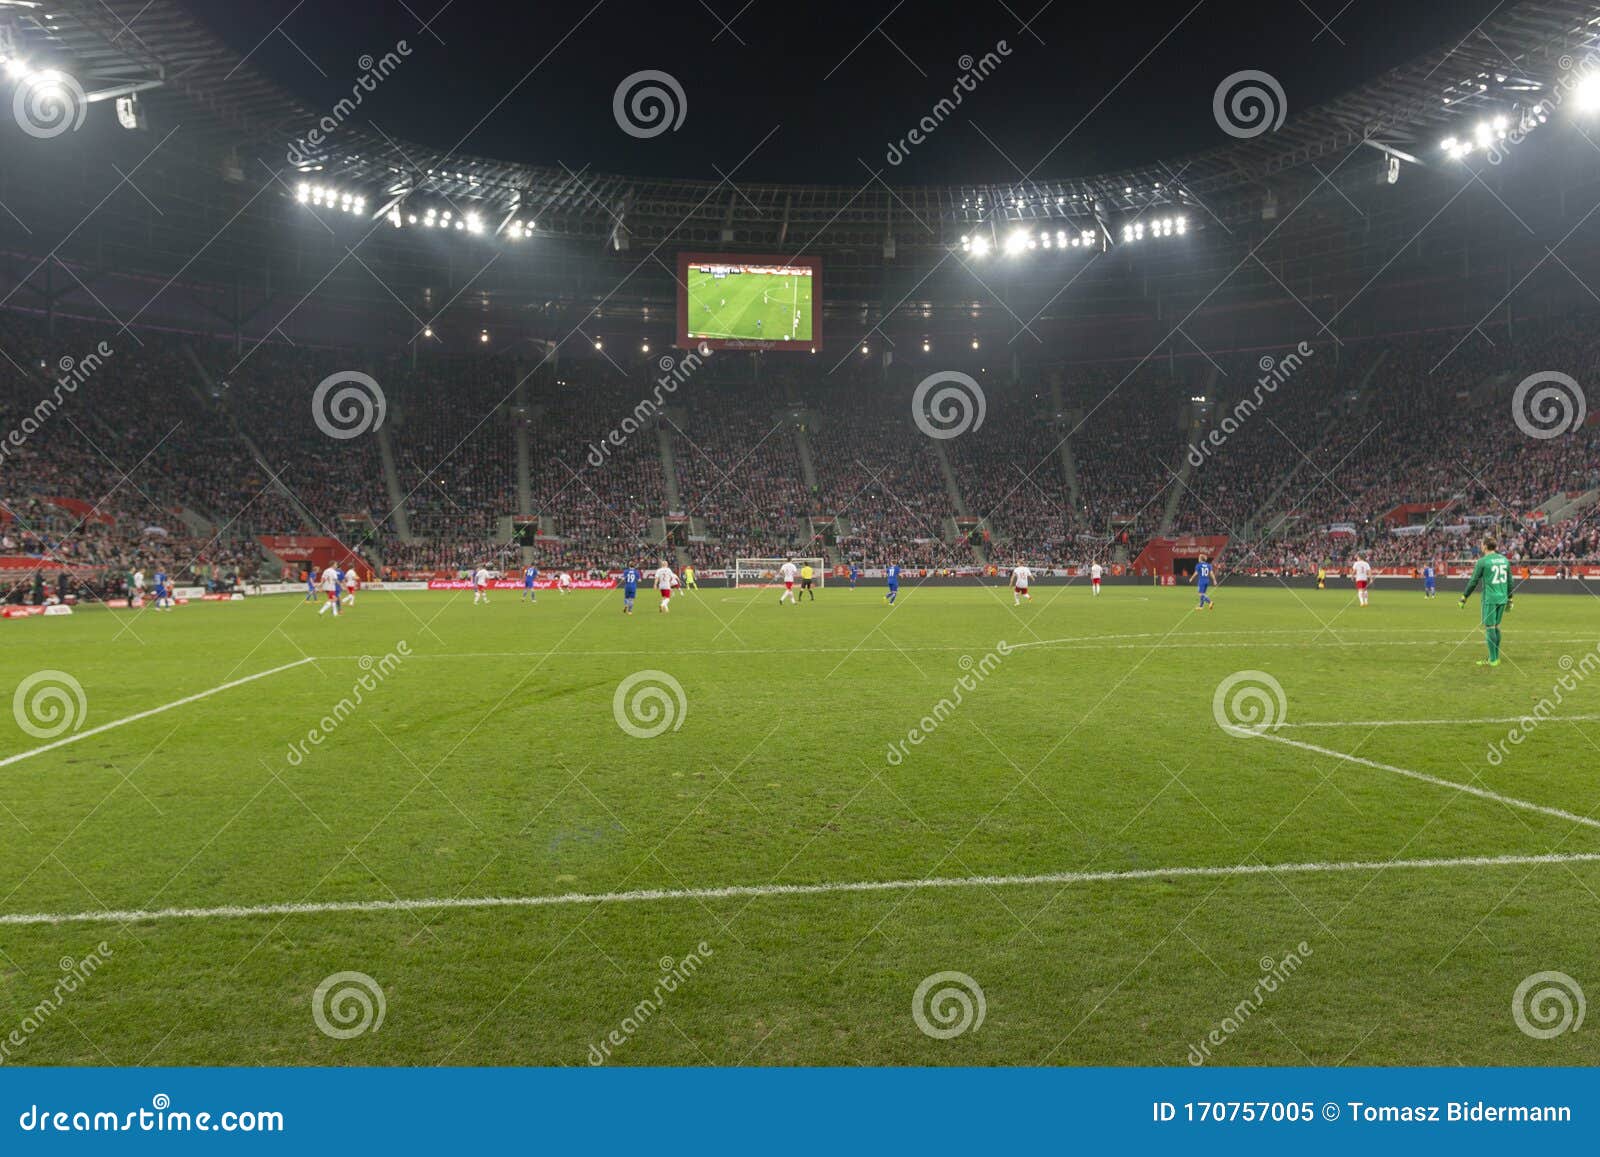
[{"x": 748, "y": 302}]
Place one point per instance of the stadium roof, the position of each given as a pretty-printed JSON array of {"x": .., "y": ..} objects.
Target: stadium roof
[{"x": 184, "y": 73}]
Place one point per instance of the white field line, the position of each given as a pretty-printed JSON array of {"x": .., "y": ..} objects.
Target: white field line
[
  {"x": 134, "y": 718},
  {"x": 1443, "y": 722},
  {"x": 1482, "y": 793},
  {"x": 737, "y": 891},
  {"x": 1083, "y": 642}
]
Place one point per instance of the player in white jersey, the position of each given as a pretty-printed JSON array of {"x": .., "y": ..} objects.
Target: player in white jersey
[
  {"x": 352, "y": 583},
  {"x": 480, "y": 585},
  {"x": 1095, "y": 571},
  {"x": 330, "y": 587},
  {"x": 1362, "y": 572},
  {"x": 788, "y": 572},
  {"x": 1021, "y": 576},
  {"x": 564, "y": 583},
  {"x": 665, "y": 581}
]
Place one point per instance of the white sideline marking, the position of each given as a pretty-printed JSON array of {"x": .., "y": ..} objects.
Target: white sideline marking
[
  {"x": 134, "y": 718},
  {"x": 1484, "y": 793},
  {"x": 758, "y": 890},
  {"x": 1444, "y": 722},
  {"x": 1085, "y": 642}
]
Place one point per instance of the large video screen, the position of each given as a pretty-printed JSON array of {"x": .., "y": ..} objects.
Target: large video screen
[{"x": 748, "y": 302}]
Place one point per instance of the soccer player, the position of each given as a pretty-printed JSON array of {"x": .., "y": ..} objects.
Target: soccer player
[
  {"x": 564, "y": 582},
  {"x": 806, "y": 575},
  {"x": 1202, "y": 582},
  {"x": 1428, "y": 579},
  {"x": 1021, "y": 576},
  {"x": 530, "y": 575},
  {"x": 163, "y": 599},
  {"x": 892, "y": 573},
  {"x": 1361, "y": 569},
  {"x": 480, "y": 585},
  {"x": 688, "y": 579},
  {"x": 330, "y": 587},
  {"x": 665, "y": 581},
  {"x": 310, "y": 575},
  {"x": 1493, "y": 573},
  {"x": 855, "y": 573},
  {"x": 787, "y": 572},
  {"x": 1095, "y": 571},
  {"x": 1322, "y": 578},
  {"x": 352, "y": 583},
  {"x": 630, "y": 589},
  {"x": 136, "y": 589}
]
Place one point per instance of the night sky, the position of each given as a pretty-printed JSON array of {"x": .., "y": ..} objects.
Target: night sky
[{"x": 815, "y": 81}]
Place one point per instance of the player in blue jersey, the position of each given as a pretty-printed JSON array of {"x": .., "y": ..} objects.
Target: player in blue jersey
[
  {"x": 855, "y": 573},
  {"x": 311, "y": 583},
  {"x": 892, "y": 573},
  {"x": 163, "y": 599},
  {"x": 1428, "y": 582},
  {"x": 630, "y": 589},
  {"x": 530, "y": 575},
  {"x": 1202, "y": 581}
]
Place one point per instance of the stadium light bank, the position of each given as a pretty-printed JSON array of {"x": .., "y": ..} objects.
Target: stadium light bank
[
  {"x": 1275, "y": 371},
  {"x": 972, "y": 73}
]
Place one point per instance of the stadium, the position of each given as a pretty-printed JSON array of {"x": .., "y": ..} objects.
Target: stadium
[{"x": 740, "y": 594}]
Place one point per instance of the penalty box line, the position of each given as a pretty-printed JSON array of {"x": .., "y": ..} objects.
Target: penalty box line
[
  {"x": 738, "y": 891},
  {"x": 134, "y": 718},
  {"x": 1480, "y": 792}
]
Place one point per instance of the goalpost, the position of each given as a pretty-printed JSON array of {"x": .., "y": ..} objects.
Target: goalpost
[{"x": 764, "y": 572}]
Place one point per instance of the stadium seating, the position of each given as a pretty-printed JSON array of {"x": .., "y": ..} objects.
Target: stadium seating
[{"x": 176, "y": 451}]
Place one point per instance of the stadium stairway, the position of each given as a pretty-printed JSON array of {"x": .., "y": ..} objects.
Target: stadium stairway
[
  {"x": 1180, "y": 483},
  {"x": 391, "y": 483},
  {"x": 802, "y": 446},
  {"x": 669, "y": 466},
  {"x": 947, "y": 472},
  {"x": 1561, "y": 507}
]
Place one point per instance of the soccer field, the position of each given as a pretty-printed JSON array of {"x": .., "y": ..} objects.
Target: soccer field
[
  {"x": 730, "y": 307},
  {"x": 522, "y": 873}
]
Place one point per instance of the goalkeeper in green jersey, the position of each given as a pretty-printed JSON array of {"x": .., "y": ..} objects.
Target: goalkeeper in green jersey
[{"x": 1493, "y": 573}]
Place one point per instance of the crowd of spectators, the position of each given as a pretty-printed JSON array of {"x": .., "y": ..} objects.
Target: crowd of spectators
[{"x": 173, "y": 452}]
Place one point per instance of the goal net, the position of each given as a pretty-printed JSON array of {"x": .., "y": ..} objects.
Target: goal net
[{"x": 765, "y": 572}]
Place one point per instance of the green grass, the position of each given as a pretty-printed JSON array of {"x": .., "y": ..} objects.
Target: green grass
[
  {"x": 729, "y": 307},
  {"x": 489, "y": 763}
]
